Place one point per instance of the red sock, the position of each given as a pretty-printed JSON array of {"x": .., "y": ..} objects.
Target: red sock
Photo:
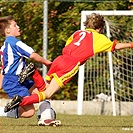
[
  {"x": 34, "y": 98},
  {"x": 30, "y": 100},
  {"x": 39, "y": 81}
]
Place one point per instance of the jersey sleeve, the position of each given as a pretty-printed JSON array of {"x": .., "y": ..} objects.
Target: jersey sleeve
[
  {"x": 102, "y": 44},
  {"x": 23, "y": 49}
]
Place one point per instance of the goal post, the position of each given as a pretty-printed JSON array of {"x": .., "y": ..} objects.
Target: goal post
[{"x": 81, "y": 69}]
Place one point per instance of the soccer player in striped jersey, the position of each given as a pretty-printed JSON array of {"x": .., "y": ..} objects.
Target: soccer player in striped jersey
[{"x": 14, "y": 53}]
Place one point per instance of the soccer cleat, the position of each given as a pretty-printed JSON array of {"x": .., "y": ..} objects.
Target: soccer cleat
[
  {"x": 13, "y": 104},
  {"x": 28, "y": 71},
  {"x": 49, "y": 122}
]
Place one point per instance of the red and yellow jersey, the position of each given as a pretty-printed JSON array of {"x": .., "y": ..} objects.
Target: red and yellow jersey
[{"x": 81, "y": 45}]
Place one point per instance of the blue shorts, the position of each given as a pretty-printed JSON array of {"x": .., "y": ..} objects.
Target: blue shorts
[{"x": 12, "y": 87}]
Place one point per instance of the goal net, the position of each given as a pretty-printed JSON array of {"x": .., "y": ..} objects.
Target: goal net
[{"x": 108, "y": 77}]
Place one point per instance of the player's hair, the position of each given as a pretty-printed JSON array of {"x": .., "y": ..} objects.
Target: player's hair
[
  {"x": 94, "y": 21},
  {"x": 5, "y": 23}
]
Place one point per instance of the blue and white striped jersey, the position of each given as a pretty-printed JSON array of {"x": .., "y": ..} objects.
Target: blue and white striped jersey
[{"x": 14, "y": 54}]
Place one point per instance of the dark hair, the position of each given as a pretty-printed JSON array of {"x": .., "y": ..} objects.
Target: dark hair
[
  {"x": 5, "y": 23},
  {"x": 94, "y": 21}
]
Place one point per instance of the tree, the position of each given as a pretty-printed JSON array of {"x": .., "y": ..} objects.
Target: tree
[{"x": 63, "y": 20}]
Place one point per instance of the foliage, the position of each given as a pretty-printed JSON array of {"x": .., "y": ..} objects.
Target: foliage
[
  {"x": 63, "y": 20},
  {"x": 29, "y": 16}
]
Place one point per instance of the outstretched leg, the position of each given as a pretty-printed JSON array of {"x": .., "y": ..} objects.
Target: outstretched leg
[{"x": 19, "y": 101}]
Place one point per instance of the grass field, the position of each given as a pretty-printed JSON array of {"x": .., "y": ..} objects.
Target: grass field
[{"x": 70, "y": 124}]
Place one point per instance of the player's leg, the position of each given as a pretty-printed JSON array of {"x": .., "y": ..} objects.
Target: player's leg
[
  {"x": 26, "y": 111},
  {"x": 54, "y": 86},
  {"x": 12, "y": 113},
  {"x": 39, "y": 81},
  {"x": 35, "y": 98},
  {"x": 30, "y": 70},
  {"x": 55, "y": 83},
  {"x": 18, "y": 112},
  {"x": 20, "y": 91},
  {"x": 41, "y": 96}
]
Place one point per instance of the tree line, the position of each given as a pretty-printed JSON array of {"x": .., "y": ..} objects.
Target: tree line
[{"x": 63, "y": 19}]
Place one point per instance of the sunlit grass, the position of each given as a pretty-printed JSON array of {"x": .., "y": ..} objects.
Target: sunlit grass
[{"x": 70, "y": 124}]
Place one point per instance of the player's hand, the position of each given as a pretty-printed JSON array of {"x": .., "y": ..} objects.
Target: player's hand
[
  {"x": 48, "y": 63},
  {"x": 131, "y": 44}
]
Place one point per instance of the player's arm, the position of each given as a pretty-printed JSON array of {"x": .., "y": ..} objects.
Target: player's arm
[
  {"x": 38, "y": 58},
  {"x": 119, "y": 46},
  {"x": 27, "y": 51}
]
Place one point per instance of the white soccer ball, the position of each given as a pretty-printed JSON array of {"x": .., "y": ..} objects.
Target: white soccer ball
[{"x": 46, "y": 111}]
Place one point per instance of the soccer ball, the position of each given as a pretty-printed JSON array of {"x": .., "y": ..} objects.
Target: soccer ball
[
  {"x": 46, "y": 111},
  {"x": 53, "y": 115}
]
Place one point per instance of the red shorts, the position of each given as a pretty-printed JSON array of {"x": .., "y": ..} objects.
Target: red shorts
[{"x": 63, "y": 69}]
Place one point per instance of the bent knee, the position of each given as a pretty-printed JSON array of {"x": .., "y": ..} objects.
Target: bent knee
[
  {"x": 26, "y": 111},
  {"x": 30, "y": 113}
]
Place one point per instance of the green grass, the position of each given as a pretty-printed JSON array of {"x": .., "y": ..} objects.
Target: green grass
[{"x": 70, "y": 124}]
